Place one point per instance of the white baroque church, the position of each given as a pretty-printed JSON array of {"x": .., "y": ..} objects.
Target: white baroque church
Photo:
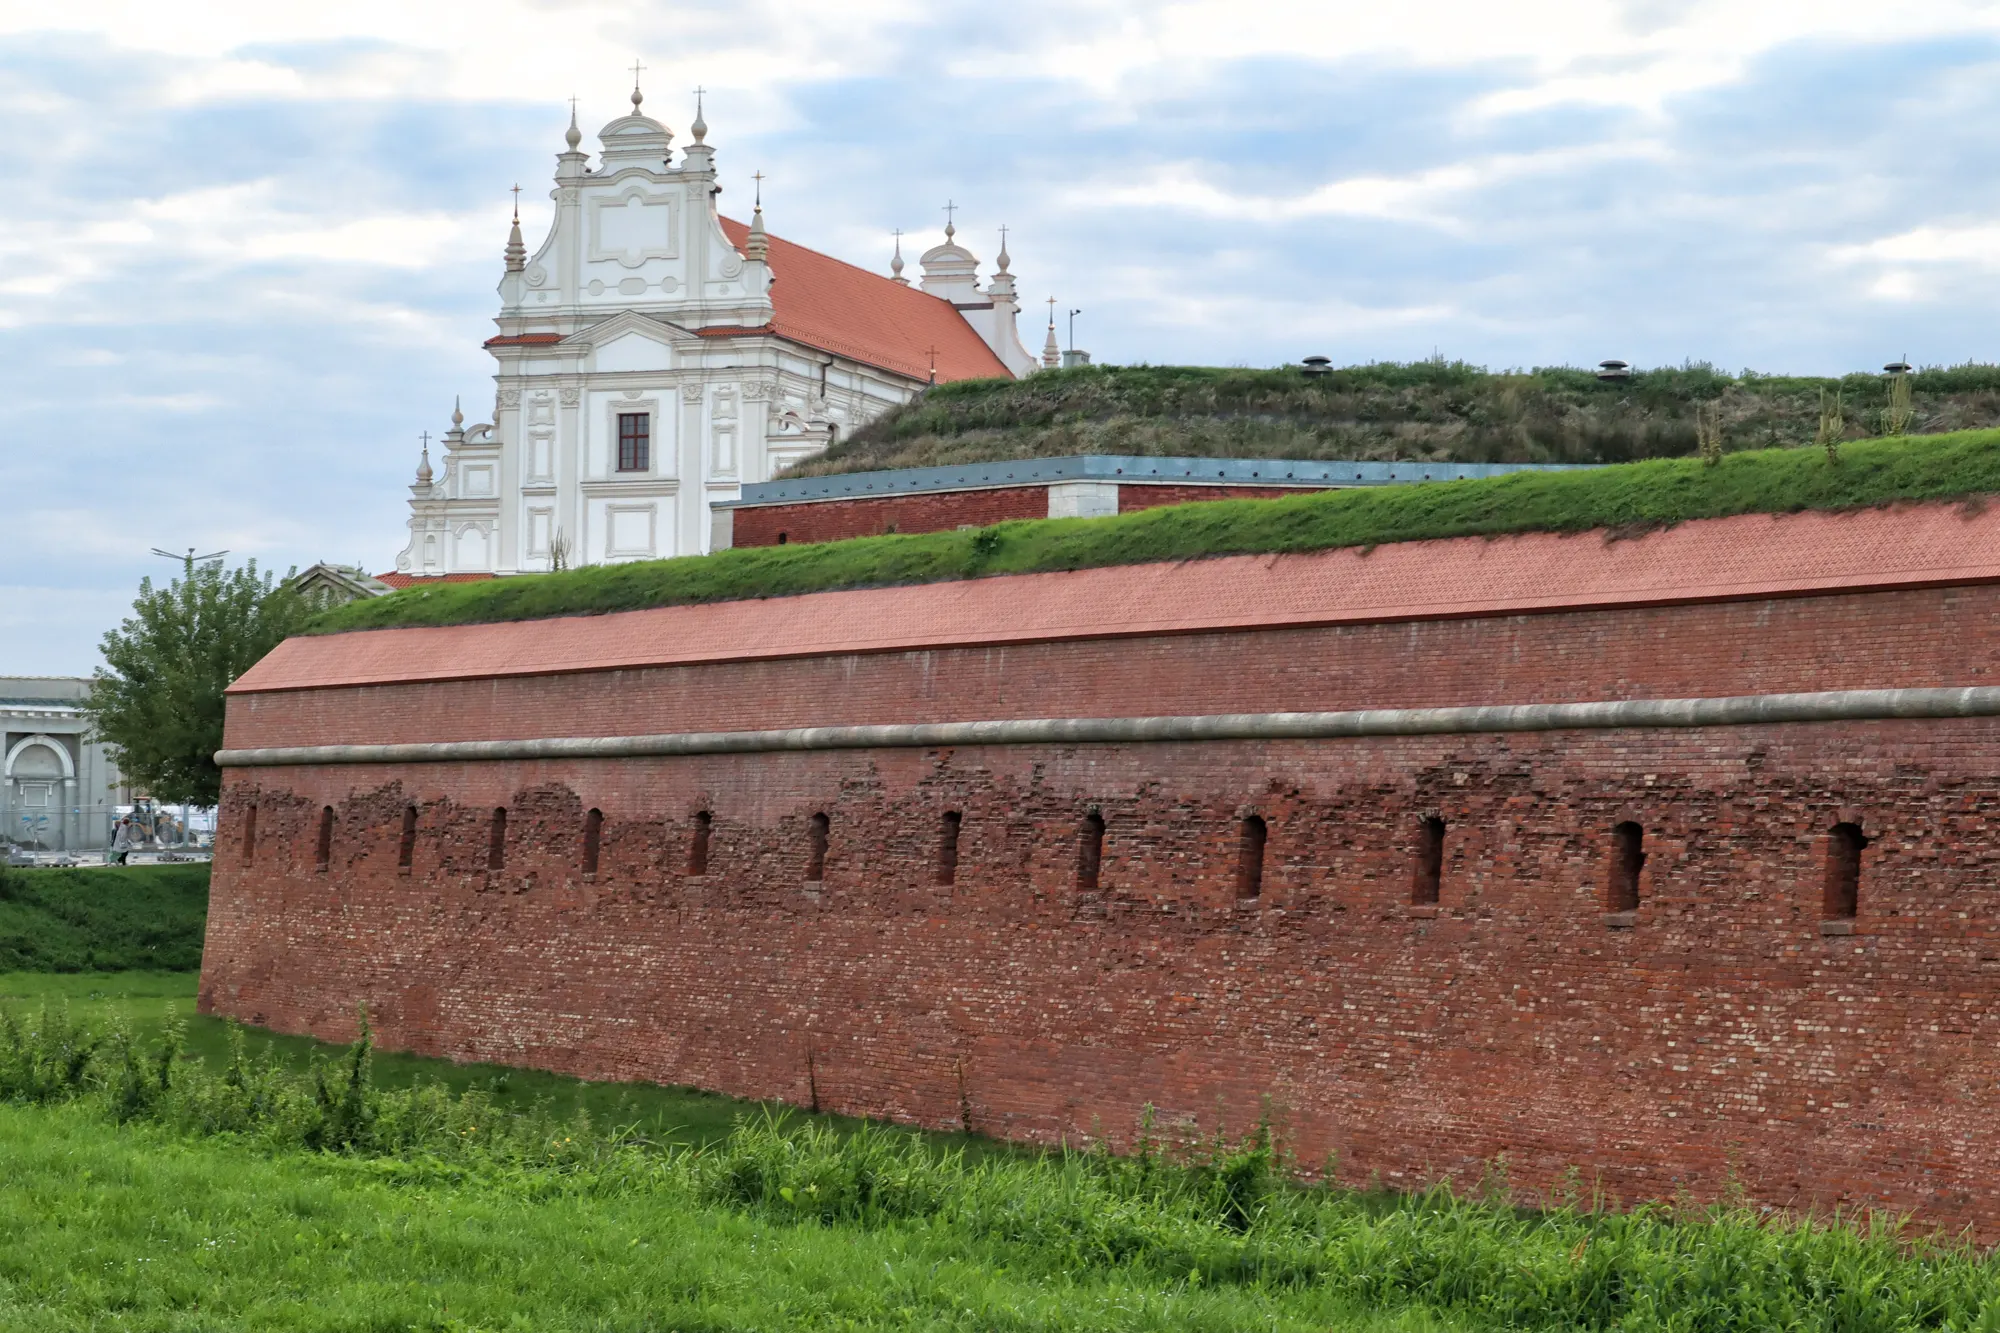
[{"x": 654, "y": 356}]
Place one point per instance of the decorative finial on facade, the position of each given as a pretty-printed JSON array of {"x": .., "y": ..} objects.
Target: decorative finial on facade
[
  {"x": 1002, "y": 258},
  {"x": 896, "y": 263},
  {"x": 757, "y": 246},
  {"x": 517, "y": 250},
  {"x": 637, "y": 96},
  {"x": 700, "y": 126},
  {"x": 1051, "y": 350},
  {"x": 933, "y": 365},
  {"x": 424, "y": 462},
  {"x": 572, "y": 136},
  {"x": 457, "y": 413},
  {"x": 949, "y": 209}
]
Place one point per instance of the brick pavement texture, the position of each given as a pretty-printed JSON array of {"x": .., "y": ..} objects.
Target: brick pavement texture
[{"x": 967, "y": 972}]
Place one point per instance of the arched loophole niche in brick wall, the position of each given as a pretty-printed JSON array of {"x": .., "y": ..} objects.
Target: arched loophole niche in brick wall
[
  {"x": 817, "y": 831},
  {"x": 704, "y": 824},
  {"x": 1090, "y": 851},
  {"x": 323, "y": 848},
  {"x": 496, "y": 839},
  {"x": 1251, "y": 837},
  {"x": 947, "y": 855},
  {"x": 1628, "y": 857},
  {"x": 249, "y": 834},
  {"x": 1842, "y": 898},
  {"x": 406, "y": 849},
  {"x": 593, "y": 840},
  {"x": 1427, "y": 861}
]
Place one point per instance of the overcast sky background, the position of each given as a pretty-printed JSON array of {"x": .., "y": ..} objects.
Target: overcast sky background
[{"x": 248, "y": 250}]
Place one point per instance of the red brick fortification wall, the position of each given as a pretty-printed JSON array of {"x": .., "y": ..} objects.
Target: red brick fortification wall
[
  {"x": 836, "y": 520},
  {"x": 1716, "y": 1031},
  {"x": 1720, "y": 1034}
]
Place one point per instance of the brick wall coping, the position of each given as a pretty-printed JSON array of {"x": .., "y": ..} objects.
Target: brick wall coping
[
  {"x": 1728, "y": 711},
  {"x": 1132, "y": 469},
  {"x": 1729, "y": 559}
]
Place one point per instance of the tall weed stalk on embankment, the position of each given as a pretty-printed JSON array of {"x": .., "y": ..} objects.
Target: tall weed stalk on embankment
[{"x": 1219, "y": 1211}]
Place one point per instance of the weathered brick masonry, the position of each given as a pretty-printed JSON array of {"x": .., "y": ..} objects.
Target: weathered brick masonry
[
  {"x": 836, "y": 520},
  {"x": 1717, "y": 1031}
]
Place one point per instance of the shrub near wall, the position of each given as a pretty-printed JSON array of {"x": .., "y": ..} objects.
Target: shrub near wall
[{"x": 112, "y": 919}]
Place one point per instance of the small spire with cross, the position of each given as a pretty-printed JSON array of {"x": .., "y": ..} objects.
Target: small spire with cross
[
  {"x": 896, "y": 262},
  {"x": 517, "y": 202},
  {"x": 637, "y": 96},
  {"x": 933, "y": 363},
  {"x": 758, "y": 177},
  {"x": 700, "y": 126},
  {"x": 950, "y": 208}
]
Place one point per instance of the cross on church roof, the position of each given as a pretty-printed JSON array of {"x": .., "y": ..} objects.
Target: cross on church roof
[
  {"x": 949, "y": 209},
  {"x": 758, "y": 176},
  {"x": 426, "y": 438},
  {"x": 637, "y": 69},
  {"x": 517, "y": 203}
]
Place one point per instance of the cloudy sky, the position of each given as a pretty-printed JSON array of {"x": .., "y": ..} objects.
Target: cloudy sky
[{"x": 248, "y": 249}]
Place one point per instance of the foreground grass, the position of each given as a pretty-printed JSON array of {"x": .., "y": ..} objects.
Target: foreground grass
[
  {"x": 148, "y": 1190},
  {"x": 139, "y": 1229},
  {"x": 1419, "y": 411},
  {"x": 148, "y": 1002},
  {"x": 108, "y": 919},
  {"x": 1666, "y": 491}
]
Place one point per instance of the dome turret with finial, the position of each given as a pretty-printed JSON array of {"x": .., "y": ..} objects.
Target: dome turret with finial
[
  {"x": 950, "y": 270},
  {"x": 637, "y": 139}
]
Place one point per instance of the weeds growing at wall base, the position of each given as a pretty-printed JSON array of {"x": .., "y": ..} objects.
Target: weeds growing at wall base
[{"x": 1218, "y": 1214}]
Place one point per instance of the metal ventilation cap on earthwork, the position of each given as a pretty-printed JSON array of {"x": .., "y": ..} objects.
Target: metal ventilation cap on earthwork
[
  {"x": 1898, "y": 368},
  {"x": 1318, "y": 365},
  {"x": 1613, "y": 370}
]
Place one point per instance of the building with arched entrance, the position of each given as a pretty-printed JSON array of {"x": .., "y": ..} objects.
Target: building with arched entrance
[{"x": 58, "y": 789}]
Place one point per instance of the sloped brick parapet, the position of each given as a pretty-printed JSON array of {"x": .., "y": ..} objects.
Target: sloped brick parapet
[{"x": 1731, "y": 1027}]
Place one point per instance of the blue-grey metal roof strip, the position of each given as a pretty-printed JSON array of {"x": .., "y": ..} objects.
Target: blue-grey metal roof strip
[
  {"x": 1122, "y": 468},
  {"x": 1728, "y": 711}
]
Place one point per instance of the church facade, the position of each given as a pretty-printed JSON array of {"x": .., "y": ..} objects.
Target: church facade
[{"x": 654, "y": 356}]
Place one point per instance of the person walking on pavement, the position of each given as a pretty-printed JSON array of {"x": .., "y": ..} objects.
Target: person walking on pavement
[{"x": 121, "y": 842}]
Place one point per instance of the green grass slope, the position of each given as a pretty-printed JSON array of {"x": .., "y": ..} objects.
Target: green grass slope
[
  {"x": 1658, "y": 492},
  {"x": 1427, "y": 410},
  {"x": 150, "y": 1190},
  {"x": 108, "y": 919}
]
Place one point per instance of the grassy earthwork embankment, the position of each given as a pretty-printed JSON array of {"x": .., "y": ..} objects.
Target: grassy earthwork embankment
[{"x": 1624, "y": 498}]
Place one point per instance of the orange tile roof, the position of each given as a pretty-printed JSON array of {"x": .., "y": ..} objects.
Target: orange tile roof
[
  {"x": 1715, "y": 560},
  {"x": 522, "y": 339},
  {"x": 827, "y": 303}
]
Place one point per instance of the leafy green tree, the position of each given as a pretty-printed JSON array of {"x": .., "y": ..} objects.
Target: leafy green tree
[{"x": 157, "y": 701}]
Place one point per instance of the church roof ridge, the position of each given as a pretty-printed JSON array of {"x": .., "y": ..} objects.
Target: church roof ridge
[{"x": 826, "y": 302}]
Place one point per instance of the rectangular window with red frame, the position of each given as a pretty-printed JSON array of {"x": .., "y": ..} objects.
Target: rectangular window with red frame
[{"x": 635, "y": 441}]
